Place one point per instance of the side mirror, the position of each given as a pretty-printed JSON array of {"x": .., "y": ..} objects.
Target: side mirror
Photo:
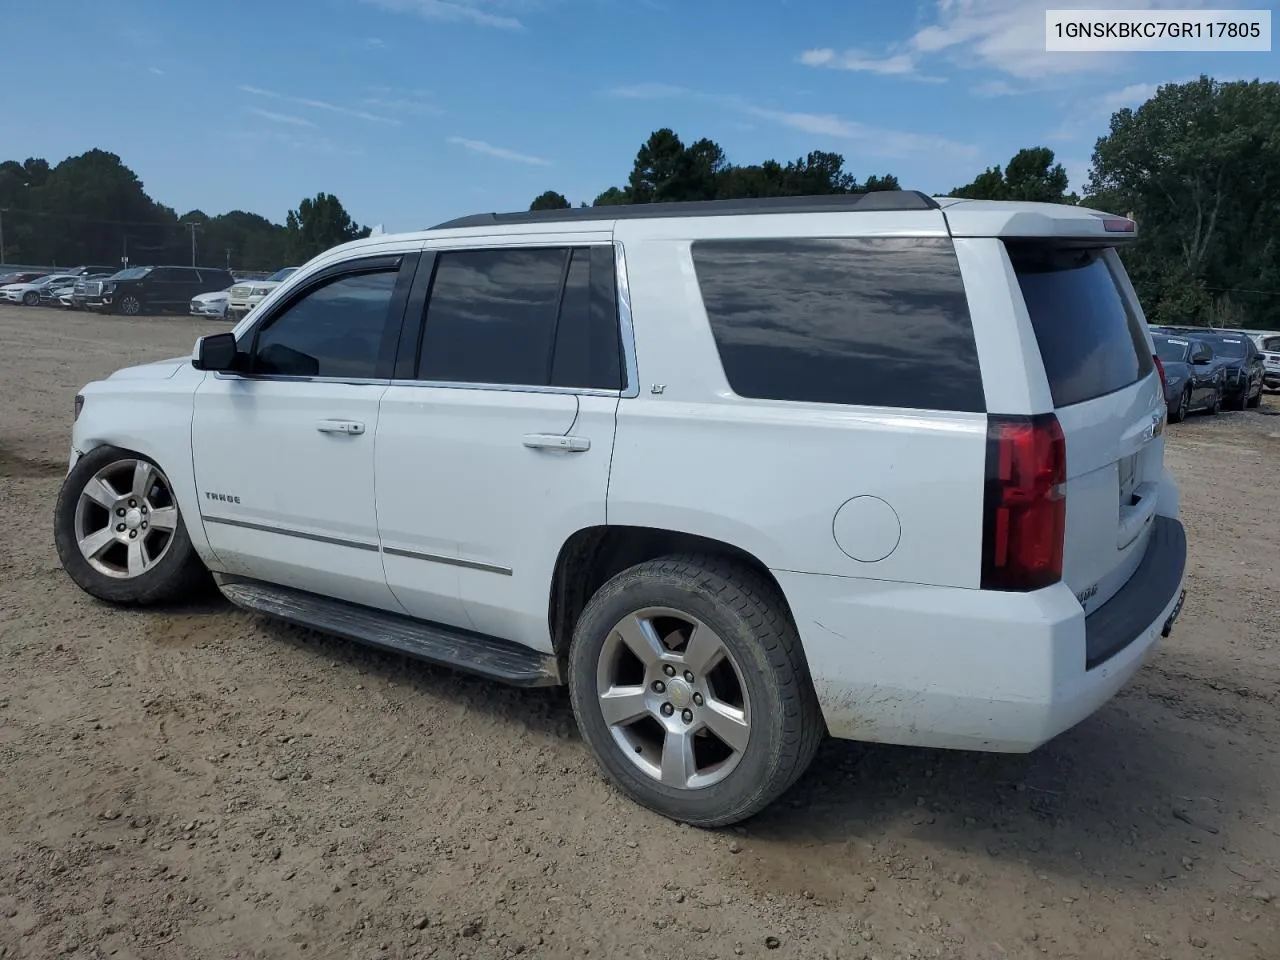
[{"x": 217, "y": 352}]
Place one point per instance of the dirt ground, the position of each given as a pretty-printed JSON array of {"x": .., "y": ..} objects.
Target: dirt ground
[{"x": 200, "y": 782}]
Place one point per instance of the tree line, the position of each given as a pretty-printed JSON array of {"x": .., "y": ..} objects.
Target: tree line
[
  {"x": 1197, "y": 164},
  {"x": 92, "y": 208}
]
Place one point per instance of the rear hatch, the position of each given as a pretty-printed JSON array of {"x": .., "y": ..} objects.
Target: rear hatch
[{"x": 1109, "y": 403}]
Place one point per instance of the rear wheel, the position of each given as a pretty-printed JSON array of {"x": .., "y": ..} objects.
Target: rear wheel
[
  {"x": 119, "y": 533},
  {"x": 690, "y": 687}
]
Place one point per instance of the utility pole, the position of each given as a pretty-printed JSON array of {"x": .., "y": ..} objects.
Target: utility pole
[
  {"x": 228, "y": 258},
  {"x": 193, "y": 225},
  {"x": 2, "y": 234}
]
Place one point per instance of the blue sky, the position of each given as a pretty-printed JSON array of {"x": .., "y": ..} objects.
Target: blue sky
[{"x": 414, "y": 111}]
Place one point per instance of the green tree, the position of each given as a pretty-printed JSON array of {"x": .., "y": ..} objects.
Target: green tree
[
  {"x": 1031, "y": 175},
  {"x": 1199, "y": 165},
  {"x": 550, "y": 201},
  {"x": 611, "y": 197},
  {"x": 319, "y": 224}
]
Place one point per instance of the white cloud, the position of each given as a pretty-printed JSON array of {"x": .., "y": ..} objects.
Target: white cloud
[
  {"x": 374, "y": 43},
  {"x": 477, "y": 12},
  {"x": 1077, "y": 173},
  {"x": 404, "y": 105},
  {"x": 488, "y": 149},
  {"x": 893, "y": 65},
  {"x": 157, "y": 71},
  {"x": 275, "y": 117},
  {"x": 1005, "y": 36},
  {"x": 871, "y": 140},
  {"x": 319, "y": 105}
]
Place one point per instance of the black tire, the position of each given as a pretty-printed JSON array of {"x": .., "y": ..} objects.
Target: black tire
[
  {"x": 749, "y": 616},
  {"x": 1216, "y": 406},
  {"x": 130, "y": 305},
  {"x": 1178, "y": 412},
  {"x": 178, "y": 574},
  {"x": 1256, "y": 400},
  {"x": 31, "y": 298}
]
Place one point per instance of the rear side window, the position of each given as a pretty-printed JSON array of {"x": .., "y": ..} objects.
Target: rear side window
[
  {"x": 877, "y": 322},
  {"x": 1090, "y": 341},
  {"x": 522, "y": 317}
]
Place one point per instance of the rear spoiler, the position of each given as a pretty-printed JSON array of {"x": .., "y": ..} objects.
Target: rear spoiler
[{"x": 1038, "y": 221}]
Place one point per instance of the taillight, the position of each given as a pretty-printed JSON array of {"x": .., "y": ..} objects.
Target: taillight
[
  {"x": 79, "y": 405},
  {"x": 1164, "y": 382},
  {"x": 1025, "y": 508}
]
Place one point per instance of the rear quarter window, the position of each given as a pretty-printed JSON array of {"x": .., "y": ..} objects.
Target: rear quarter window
[
  {"x": 1090, "y": 341},
  {"x": 875, "y": 322}
]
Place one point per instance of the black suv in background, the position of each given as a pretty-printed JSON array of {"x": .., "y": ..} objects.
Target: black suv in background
[{"x": 150, "y": 289}]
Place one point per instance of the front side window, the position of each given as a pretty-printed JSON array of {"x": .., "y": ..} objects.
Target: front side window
[
  {"x": 334, "y": 330},
  {"x": 877, "y": 322},
  {"x": 521, "y": 317}
]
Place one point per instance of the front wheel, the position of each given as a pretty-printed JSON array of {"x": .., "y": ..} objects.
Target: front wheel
[
  {"x": 1256, "y": 400},
  {"x": 1178, "y": 412},
  {"x": 129, "y": 305},
  {"x": 31, "y": 298},
  {"x": 1216, "y": 406},
  {"x": 691, "y": 689},
  {"x": 119, "y": 533}
]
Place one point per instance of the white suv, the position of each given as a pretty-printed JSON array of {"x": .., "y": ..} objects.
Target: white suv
[{"x": 739, "y": 473}]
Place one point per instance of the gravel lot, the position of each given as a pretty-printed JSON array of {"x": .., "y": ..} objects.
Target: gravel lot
[{"x": 200, "y": 782}]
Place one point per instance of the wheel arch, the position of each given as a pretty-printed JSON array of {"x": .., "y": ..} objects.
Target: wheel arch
[{"x": 593, "y": 555}]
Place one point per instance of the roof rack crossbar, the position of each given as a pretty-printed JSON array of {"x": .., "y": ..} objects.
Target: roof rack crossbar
[{"x": 834, "y": 203}]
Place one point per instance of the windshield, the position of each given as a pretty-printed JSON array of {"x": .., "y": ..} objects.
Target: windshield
[
  {"x": 131, "y": 273},
  {"x": 1271, "y": 344},
  {"x": 1171, "y": 351},
  {"x": 281, "y": 274},
  {"x": 1230, "y": 347}
]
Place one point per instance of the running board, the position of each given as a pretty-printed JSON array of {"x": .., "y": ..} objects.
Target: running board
[{"x": 462, "y": 650}]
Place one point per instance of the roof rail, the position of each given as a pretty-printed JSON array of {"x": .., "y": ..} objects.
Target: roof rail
[{"x": 831, "y": 203}]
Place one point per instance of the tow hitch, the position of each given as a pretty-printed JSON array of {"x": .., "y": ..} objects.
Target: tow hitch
[{"x": 1177, "y": 609}]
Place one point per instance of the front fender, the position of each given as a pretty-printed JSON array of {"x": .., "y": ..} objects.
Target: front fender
[{"x": 151, "y": 417}]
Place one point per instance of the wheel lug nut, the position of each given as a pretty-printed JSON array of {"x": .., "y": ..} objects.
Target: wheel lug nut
[
  {"x": 659, "y": 687},
  {"x": 133, "y": 534},
  {"x": 688, "y": 675},
  {"x": 669, "y": 670},
  {"x": 119, "y": 528},
  {"x": 697, "y": 699},
  {"x": 668, "y": 709},
  {"x": 687, "y": 716},
  {"x": 119, "y": 511},
  {"x": 144, "y": 524},
  {"x": 133, "y": 503},
  {"x": 144, "y": 508}
]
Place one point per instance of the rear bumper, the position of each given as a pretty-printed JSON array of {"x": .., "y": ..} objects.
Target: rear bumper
[{"x": 978, "y": 669}]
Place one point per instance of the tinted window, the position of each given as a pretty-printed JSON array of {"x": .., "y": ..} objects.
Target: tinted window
[
  {"x": 1172, "y": 351},
  {"x": 880, "y": 322},
  {"x": 163, "y": 274},
  {"x": 1271, "y": 343},
  {"x": 335, "y": 330},
  {"x": 1090, "y": 342},
  {"x": 586, "y": 352},
  {"x": 1230, "y": 347}
]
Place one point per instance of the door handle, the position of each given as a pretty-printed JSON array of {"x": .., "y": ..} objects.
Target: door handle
[
  {"x": 554, "y": 441},
  {"x": 352, "y": 428}
]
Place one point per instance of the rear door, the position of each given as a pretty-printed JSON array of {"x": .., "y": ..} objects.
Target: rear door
[{"x": 1109, "y": 402}]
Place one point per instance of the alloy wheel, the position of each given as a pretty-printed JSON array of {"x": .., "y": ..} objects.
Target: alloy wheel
[
  {"x": 673, "y": 698},
  {"x": 125, "y": 518}
]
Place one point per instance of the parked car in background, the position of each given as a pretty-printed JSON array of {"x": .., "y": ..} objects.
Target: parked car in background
[
  {"x": 210, "y": 304},
  {"x": 67, "y": 296},
  {"x": 1268, "y": 344},
  {"x": 1240, "y": 359},
  {"x": 22, "y": 276},
  {"x": 155, "y": 289},
  {"x": 1192, "y": 381},
  {"x": 247, "y": 295},
  {"x": 28, "y": 294},
  {"x": 92, "y": 270}
]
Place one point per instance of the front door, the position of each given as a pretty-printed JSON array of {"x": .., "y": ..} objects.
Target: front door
[
  {"x": 498, "y": 450},
  {"x": 284, "y": 450}
]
